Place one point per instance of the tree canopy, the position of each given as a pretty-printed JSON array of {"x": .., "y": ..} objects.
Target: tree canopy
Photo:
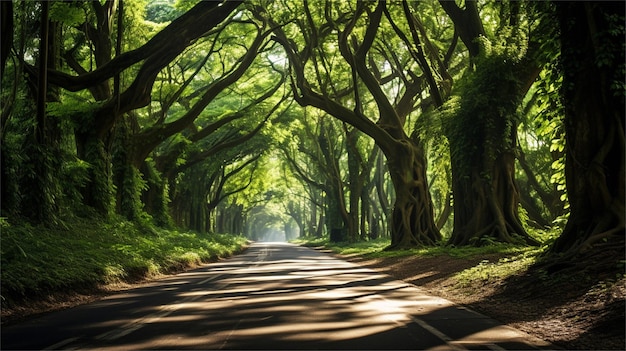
[{"x": 426, "y": 122}]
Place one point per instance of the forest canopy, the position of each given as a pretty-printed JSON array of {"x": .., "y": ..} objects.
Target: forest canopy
[{"x": 428, "y": 123}]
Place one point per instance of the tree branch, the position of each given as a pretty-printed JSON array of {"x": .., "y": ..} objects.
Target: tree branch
[{"x": 159, "y": 50}]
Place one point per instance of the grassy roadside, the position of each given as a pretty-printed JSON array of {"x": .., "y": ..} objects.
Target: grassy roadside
[
  {"x": 38, "y": 261},
  {"x": 514, "y": 259},
  {"x": 495, "y": 264}
]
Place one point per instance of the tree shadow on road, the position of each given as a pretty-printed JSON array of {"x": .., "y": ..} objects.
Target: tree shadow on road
[{"x": 268, "y": 300}]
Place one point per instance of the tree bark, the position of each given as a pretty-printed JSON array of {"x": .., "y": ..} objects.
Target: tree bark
[
  {"x": 43, "y": 194},
  {"x": 154, "y": 197},
  {"x": 446, "y": 212},
  {"x": 483, "y": 140},
  {"x": 356, "y": 182},
  {"x": 593, "y": 57},
  {"x": 485, "y": 209},
  {"x": 6, "y": 42},
  {"x": 466, "y": 22},
  {"x": 412, "y": 219},
  {"x": 126, "y": 176}
]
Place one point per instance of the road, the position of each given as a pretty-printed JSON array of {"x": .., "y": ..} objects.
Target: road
[{"x": 274, "y": 296}]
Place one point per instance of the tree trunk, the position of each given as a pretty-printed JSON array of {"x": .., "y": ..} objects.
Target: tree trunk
[
  {"x": 483, "y": 139},
  {"x": 319, "y": 232},
  {"x": 41, "y": 207},
  {"x": 446, "y": 212},
  {"x": 237, "y": 221},
  {"x": 339, "y": 223},
  {"x": 43, "y": 194},
  {"x": 127, "y": 179},
  {"x": 154, "y": 197},
  {"x": 334, "y": 220},
  {"x": 98, "y": 191},
  {"x": 318, "y": 216},
  {"x": 482, "y": 134},
  {"x": 375, "y": 225},
  {"x": 412, "y": 220},
  {"x": 593, "y": 57},
  {"x": 382, "y": 205},
  {"x": 6, "y": 42},
  {"x": 366, "y": 215},
  {"x": 412, "y": 217},
  {"x": 356, "y": 183},
  {"x": 485, "y": 208}
]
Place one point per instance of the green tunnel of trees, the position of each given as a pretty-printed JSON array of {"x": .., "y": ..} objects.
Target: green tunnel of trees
[{"x": 425, "y": 122}]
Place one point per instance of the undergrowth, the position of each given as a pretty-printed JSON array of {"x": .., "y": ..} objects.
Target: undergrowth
[
  {"x": 488, "y": 272},
  {"x": 375, "y": 249},
  {"x": 39, "y": 260}
]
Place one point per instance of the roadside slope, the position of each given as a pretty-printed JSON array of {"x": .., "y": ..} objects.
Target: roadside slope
[{"x": 574, "y": 313}]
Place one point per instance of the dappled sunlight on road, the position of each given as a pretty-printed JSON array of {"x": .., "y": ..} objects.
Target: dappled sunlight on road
[
  {"x": 273, "y": 298},
  {"x": 310, "y": 302}
]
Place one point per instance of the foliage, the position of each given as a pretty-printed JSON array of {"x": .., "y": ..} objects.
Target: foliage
[
  {"x": 72, "y": 14},
  {"x": 429, "y": 127},
  {"x": 101, "y": 194},
  {"x": 549, "y": 123},
  {"x": 161, "y": 11},
  {"x": 158, "y": 205},
  {"x": 478, "y": 122},
  {"x": 487, "y": 271},
  {"x": 133, "y": 185},
  {"x": 42, "y": 188},
  {"x": 37, "y": 260},
  {"x": 376, "y": 84}
]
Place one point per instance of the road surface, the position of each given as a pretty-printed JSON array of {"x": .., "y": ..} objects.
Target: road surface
[{"x": 274, "y": 296}]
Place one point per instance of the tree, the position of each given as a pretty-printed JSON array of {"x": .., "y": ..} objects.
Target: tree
[
  {"x": 313, "y": 154},
  {"x": 412, "y": 218},
  {"x": 542, "y": 145},
  {"x": 302, "y": 163},
  {"x": 41, "y": 190},
  {"x": 592, "y": 51},
  {"x": 18, "y": 104},
  {"x": 202, "y": 163},
  {"x": 6, "y": 21},
  {"x": 96, "y": 123},
  {"x": 328, "y": 155},
  {"x": 482, "y": 131},
  {"x": 360, "y": 182},
  {"x": 143, "y": 135}
]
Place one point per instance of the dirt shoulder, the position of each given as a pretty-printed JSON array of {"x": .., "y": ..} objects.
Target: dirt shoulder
[{"x": 569, "y": 315}]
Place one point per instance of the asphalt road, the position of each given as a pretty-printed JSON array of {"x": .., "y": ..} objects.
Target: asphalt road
[{"x": 274, "y": 296}]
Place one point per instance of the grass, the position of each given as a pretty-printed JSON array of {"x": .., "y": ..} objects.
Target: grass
[
  {"x": 38, "y": 260},
  {"x": 517, "y": 257},
  {"x": 488, "y": 272},
  {"x": 375, "y": 249}
]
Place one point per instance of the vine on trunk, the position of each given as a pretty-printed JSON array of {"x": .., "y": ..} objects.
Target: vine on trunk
[{"x": 481, "y": 128}]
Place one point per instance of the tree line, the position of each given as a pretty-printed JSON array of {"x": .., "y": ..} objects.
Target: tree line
[{"x": 427, "y": 122}]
